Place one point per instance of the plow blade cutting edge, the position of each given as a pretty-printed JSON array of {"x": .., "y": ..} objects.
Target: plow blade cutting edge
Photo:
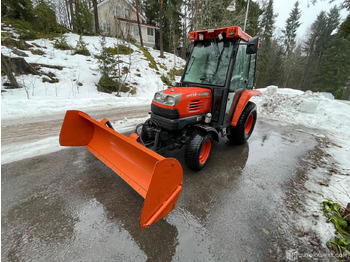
[{"x": 157, "y": 179}]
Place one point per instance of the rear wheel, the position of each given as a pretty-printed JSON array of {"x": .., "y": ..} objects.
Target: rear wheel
[
  {"x": 198, "y": 150},
  {"x": 240, "y": 134}
]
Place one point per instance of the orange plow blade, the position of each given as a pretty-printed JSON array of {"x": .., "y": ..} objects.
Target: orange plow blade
[{"x": 157, "y": 179}]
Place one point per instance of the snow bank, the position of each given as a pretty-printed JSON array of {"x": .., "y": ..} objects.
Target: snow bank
[{"x": 309, "y": 109}]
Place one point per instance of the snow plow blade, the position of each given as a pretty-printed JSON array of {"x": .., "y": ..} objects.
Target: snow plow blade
[{"x": 157, "y": 179}]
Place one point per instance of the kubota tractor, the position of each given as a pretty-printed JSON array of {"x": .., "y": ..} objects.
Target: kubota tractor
[{"x": 210, "y": 101}]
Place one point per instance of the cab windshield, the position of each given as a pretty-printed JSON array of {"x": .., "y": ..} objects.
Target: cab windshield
[{"x": 209, "y": 62}]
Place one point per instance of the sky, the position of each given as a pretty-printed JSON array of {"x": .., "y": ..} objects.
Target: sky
[{"x": 309, "y": 12}]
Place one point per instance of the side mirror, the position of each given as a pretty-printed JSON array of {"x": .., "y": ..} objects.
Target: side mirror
[{"x": 252, "y": 46}]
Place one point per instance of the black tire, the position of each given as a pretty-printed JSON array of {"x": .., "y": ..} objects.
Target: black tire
[
  {"x": 198, "y": 150},
  {"x": 240, "y": 134}
]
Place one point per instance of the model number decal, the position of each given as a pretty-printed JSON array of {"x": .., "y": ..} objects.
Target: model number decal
[{"x": 199, "y": 94}]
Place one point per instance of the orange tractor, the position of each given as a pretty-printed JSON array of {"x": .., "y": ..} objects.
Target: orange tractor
[{"x": 211, "y": 101}]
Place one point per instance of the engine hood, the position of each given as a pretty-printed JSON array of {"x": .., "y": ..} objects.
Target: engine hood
[
  {"x": 188, "y": 91},
  {"x": 188, "y": 101}
]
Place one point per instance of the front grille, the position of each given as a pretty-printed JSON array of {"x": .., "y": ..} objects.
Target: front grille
[{"x": 194, "y": 105}]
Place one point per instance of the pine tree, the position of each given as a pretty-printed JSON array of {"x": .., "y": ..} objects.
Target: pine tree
[
  {"x": 151, "y": 9},
  {"x": 267, "y": 23},
  {"x": 18, "y": 9},
  {"x": 213, "y": 14},
  {"x": 290, "y": 31},
  {"x": 345, "y": 27},
  {"x": 335, "y": 67},
  {"x": 264, "y": 64},
  {"x": 315, "y": 46},
  {"x": 321, "y": 31},
  {"x": 83, "y": 18},
  {"x": 274, "y": 72},
  {"x": 168, "y": 18},
  {"x": 254, "y": 12},
  {"x": 253, "y": 26},
  {"x": 46, "y": 17},
  {"x": 293, "y": 69}
]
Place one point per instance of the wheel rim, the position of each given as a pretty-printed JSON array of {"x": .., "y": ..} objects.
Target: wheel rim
[
  {"x": 203, "y": 156},
  {"x": 249, "y": 124}
]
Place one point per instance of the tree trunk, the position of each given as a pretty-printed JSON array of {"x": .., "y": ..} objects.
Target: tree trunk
[
  {"x": 7, "y": 70},
  {"x": 196, "y": 14},
  {"x": 97, "y": 26},
  {"x": 72, "y": 18},
  {"x": 77, "y": 18},
  {"x": 138, "y": 21},
  {"x": 161, "y": 29},
  {"x": 69, "y": 22}
]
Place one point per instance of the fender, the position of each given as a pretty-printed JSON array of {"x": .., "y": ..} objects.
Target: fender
[
  {"x": 210, "y": 130},
  {"x": 243, "y": 100}
]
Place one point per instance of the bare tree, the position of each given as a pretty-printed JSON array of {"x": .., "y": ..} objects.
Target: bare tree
[
  {"x": 161, "y": 29},
  {"x": 72, "y": 19},
  {"x": 63, "y": 14},
  {"x": 138, "y": 21},
  {"x": 97, "y": 26}
]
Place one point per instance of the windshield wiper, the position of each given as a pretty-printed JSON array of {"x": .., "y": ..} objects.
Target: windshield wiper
[
  {"x": 219, "y": 58},
  {"x": 189, "y": 69},
  {"x": 216, "y": 46}
]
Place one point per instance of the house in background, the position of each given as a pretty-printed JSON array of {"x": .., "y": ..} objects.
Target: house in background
[{"x": 118, "y": 18}]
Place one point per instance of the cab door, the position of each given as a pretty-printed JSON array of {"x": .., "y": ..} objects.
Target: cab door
[{"x": 243, "y": 76}]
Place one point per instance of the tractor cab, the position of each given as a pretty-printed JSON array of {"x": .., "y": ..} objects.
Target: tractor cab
[{"x": 222, "y": 60}]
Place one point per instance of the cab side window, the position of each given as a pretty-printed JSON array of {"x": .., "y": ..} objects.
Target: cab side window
[
  {"x": 243, "y": 71},
  {"x": 252, "y": 71}
]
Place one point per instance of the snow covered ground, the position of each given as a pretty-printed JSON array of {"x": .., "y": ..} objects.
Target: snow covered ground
[
  {"x": 329, "y": 118},
  {"x": 76, "y": 88}
]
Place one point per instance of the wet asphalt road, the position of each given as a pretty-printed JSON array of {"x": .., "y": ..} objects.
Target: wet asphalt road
[{"x": 68, "y": 206}]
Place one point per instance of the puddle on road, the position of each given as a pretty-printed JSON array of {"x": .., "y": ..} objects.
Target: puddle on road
[{"x": 34, "y": 224}]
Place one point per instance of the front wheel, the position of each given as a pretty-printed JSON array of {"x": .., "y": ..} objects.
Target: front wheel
[
  {"x": 198, "y": 150},
  {"x": 240, "y": 133}
]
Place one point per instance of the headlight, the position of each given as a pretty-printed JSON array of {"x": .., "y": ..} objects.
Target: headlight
[
  {"x": 157, "y": 96},
  {"x": 170, "y": 100}
]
